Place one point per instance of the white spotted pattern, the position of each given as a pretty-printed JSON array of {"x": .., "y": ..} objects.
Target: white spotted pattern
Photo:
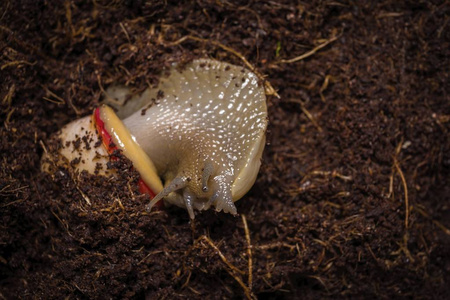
[{"x": 209, "y": 113}]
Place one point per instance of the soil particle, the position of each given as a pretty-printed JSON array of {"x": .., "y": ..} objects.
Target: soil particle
[{"x": 353, "y": 196}]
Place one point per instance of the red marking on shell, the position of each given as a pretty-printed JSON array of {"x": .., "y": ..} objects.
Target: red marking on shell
[{"x": 111, "y": 147}]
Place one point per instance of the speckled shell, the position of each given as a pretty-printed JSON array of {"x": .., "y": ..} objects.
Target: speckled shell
[{"x": 206, "y": 125}]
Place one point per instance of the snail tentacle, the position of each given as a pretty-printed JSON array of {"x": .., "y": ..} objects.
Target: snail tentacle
[
  {"x": 189, "y": 200},
  {"x": 222, "y": 198},
  {"x": 176, "y": 184}
]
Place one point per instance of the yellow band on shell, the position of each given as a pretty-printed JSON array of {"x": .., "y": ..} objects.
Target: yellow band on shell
[{"x": 126, "y": 142}]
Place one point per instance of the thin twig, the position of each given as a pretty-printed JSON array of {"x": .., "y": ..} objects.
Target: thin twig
[
  {"x": 230, "y": 265},
  {"x": 324, "y": 87},
  {"x": 307, "y": 113},
  {"x": 249, "y": 253},
  {"x": 309, "y": 53},
  {"x": 8, "y": 117},
  {"x": 60, "y": 100},
  {"x": 65, "y": 225},
  {"x": 17, "y": 63},
  {"x": 405, "y": 188},
  {"x": 435, "y": 222},
  {"x": 333, "y": 174},
  {"x": 187, "y": 280},
  {"x": 85, "y": 197},
  {"x": 232, "y": 269},
  {"x": 7, "y": 100},
  {"x": 125, "y": 31},
  {"x": 398, "y": 149},
  {"x": 148, "y": 255},
  {"x": 389, "y": 15},
  {"x": 275, "y": 246}
]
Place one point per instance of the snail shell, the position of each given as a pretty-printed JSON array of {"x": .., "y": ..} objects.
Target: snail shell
[{"x": 203, "y": 129}]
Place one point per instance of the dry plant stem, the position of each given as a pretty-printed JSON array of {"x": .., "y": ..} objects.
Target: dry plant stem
[
  {"x": 64, "y": 224},
  {"x": 58, "y": 100},
  {"x": 391, "y": 184},
  {"x": 427, "y": 215},
  {"x": 332, "y": 174},
  {"x": 7, "y": 100},
  {"x": 324, "y": 87},
  {"x": 249, "y": 253},
  {"x": 319, "y": 279},
  {"x": 402, "y": 177},
  {"x": 232, "y": 269},
  {"x": 371, "y": 253},
  {"x": 85, "y": 197},
  {"x": 148, "y": 255},
  {"x": 405, "y": 188},
  {"x": 12, "y": 203},
  {"x": 270, "y": 91},
  {"x": 8, "y": 118},
  {"x": 389, "y": 15},
  {"x": 404, "y": 248},
  {"x": 187, "y": 280},
  {"x": 309, "y": 53},
  {"x": 17, "y": 63},
  {"x": 125, "y": 31},
  {"x": 275, "y": 246},
  {"x": 230, "y": 265},
  {"x": 307, "y": 113}
]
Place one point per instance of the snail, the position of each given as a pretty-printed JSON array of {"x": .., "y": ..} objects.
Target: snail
[{"x": 201, "y": 131}]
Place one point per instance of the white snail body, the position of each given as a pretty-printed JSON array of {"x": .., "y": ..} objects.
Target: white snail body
[{"x": 203, "y": 130}]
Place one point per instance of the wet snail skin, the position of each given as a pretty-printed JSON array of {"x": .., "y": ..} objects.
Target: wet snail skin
[{"x": 201, "y": 132}]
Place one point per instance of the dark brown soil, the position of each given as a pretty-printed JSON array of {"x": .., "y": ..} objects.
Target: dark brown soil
[{"x": 352, "y": 200}]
